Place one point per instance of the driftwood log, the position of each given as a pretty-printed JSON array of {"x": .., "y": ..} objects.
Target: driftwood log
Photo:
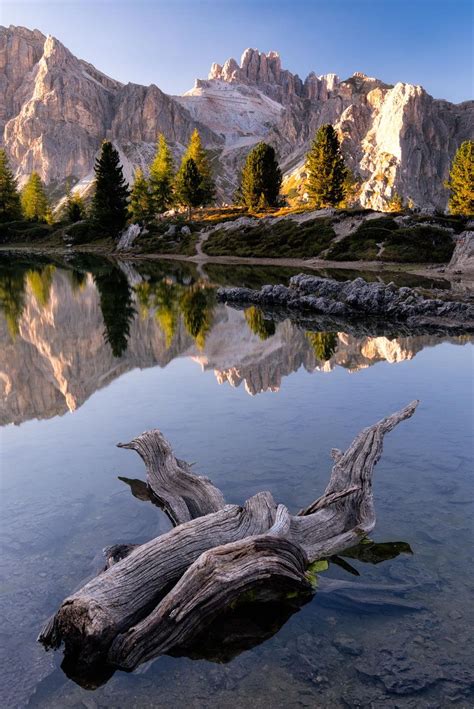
[{"x": 155, "y": 597}]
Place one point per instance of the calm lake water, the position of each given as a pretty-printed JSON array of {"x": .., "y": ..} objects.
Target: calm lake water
[{"x": 93, "y": 353}]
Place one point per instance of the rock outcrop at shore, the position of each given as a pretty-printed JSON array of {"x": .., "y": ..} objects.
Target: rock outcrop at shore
[
  {"x": 463, "y": 255},
  {"x": 375, "y": 304}
]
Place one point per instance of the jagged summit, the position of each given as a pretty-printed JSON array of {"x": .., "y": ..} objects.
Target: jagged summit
[
  {"x": 265, "y": 71},
  {"x": 55, "y": 110}
]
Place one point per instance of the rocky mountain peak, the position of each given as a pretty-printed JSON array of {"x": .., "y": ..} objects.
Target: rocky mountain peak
[
  {"x": 264, "y": 70},
  {"x": 55, "y": 110}
]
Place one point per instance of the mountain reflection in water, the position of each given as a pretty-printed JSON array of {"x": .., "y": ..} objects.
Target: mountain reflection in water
[{"x": 69, "y": 329}]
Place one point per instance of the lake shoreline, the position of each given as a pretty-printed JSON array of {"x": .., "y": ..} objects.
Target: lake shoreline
[{"x": 426, "y": 270}]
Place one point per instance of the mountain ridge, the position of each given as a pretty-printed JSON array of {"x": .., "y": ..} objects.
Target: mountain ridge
[{"x": 57, "y": 109}]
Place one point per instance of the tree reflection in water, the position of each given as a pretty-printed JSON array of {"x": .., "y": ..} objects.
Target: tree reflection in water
[
  {"x": 258, "y": 324},
  {"x": 195, "y": 302},
  {"x": 12, "y": 296},
  {"x": 323, "y": 343},
  {"x": 117, "y": 308}
]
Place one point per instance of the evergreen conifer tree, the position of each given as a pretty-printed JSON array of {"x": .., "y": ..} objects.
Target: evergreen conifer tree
[
  {"x": 196, "y": 152},
  {"x": 10, "y": 205},
  {"x": 34, "y": 201},
  {"x": 188, "y": 185},
  {"x": 109, "y": 205},
  {"x": 161, "y": 177},
  {"x": 326, "y": 169},
  {"x": 461, "y": 180},
  {"x": 75, "y": 210},
  {"x": 261, "y": 178},
  {"x": 140, "y": 207}
]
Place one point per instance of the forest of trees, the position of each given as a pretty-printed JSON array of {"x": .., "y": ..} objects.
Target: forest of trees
[{"x": 157, "y": 189}]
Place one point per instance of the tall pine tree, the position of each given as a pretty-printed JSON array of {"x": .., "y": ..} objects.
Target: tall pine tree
[
  {"x": 34, "y": 201},
  {"x": 196, "y": 152},
  {"x": 140, "y": 207},
  {"x": 10, "y": 205},
  {"x": 261, "y": 178},
  {"x": 188, "y": 185},
  {"x": 109, "y": 205},
  {"x": 461, "y": 180},
  {"x": 326, "y": 169},
  {"x": 161, "y": 177}
]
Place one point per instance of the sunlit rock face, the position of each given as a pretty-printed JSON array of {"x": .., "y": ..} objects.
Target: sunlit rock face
[
  {"x": 60, "y": 356},
  {"x": 56, "y": 109}
]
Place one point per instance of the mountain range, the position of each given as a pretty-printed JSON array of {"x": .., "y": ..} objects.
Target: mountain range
[{"x": 55, "y": 110}]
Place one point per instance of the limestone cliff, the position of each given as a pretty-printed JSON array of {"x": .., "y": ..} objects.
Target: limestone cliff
[{"x": 57, "y": 109}]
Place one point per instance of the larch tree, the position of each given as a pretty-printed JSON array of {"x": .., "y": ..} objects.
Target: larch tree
[
  {"x": 196, "y": 152},
  {"x": 161, "y": 177},
  {"x": 396, "y": 203},
  {"x": 325, "y": 169},
  {"x": 260, "y": 180},
  {"x": 10, "y": 204},
  {"x": 140, "y": 207},
  {"x": 461, "y": 180},
  {"x": 110, "y": 201},
  {"x": 34, "y": 201}
]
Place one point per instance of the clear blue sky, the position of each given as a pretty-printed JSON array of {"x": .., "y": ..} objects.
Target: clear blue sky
[{"x": 169, "y": 43}]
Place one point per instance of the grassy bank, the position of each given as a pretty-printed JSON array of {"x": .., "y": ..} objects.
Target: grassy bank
[{"x": 346, "y": 236}]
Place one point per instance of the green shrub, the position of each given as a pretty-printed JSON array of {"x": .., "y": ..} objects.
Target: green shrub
[
  {"x": 20, "y": 232},
  {"x": 362, "y": 245},
  {"x": 450, "y": 221},
  {"x": 423, "y": 243},
  {"x": 286, "y": 238},
  {"x": 80, "y": 233},
  {"x": 419, "y": 244}
]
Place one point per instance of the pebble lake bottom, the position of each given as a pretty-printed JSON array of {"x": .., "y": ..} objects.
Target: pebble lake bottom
[{"x": 255, "y": 411}]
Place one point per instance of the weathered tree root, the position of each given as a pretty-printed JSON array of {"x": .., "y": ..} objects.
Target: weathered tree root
[
  {"x": 183, "y": 494},
  {"x": 127, "y": 591},
  {"x": 214, "y": 581},
  {"x": 160, "y": 594}
]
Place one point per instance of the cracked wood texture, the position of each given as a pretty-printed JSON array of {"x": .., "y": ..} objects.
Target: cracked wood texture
[
  {"x": 214, "y": 581},
  {"x": 183, "y": 494},
  {"x": 165, "y": 591}
]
